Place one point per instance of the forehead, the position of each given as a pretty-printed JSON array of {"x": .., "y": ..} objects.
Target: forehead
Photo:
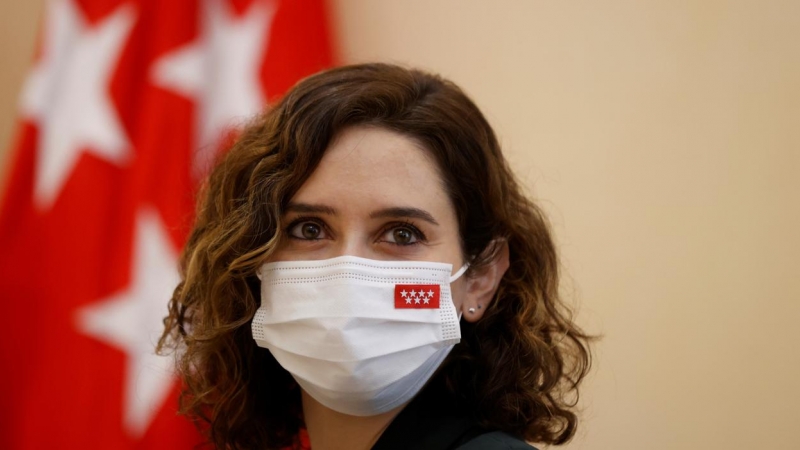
[{"x": 371, "y": 167}]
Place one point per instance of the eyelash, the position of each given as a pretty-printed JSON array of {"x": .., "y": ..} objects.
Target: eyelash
[
  {"x": 420, "y": 236},
  {"x": 300, "y": 220}
]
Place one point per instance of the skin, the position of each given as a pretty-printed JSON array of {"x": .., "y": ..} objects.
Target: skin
[{"x": 377, "y": 194}]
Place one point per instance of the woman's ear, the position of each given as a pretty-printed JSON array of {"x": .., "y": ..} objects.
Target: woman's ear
[{"x": 481, "y": 286}]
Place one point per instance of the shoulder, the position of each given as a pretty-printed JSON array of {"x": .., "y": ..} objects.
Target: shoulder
[{"x": 496, "y": 440}]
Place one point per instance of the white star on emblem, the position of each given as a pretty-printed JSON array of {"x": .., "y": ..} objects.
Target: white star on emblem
[
  {"x": 404, "y": 293},
  {"x": 67, "y": 93},
  {"x": 427, "y": 300},
  {"x": 413, "y": 293},
  {"x": 408, "y": 301},
  {"x": 220, "y": 71},
  {"x": 130, "y": 320},
  {"x": 430, "y": 293},
  {"x": 416, "y": 300}
]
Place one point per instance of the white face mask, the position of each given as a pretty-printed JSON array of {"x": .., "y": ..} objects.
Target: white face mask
[{"x": 360, "y": 336}]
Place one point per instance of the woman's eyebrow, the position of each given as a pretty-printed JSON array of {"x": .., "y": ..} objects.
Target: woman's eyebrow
[
  {"x": 307, "y": 208},
  {"x": 404, "y": 212}
]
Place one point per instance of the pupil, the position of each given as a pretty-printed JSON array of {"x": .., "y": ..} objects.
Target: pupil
[
  {"x": 310, "y": 231},
  {"x": 402, "y": 236}
]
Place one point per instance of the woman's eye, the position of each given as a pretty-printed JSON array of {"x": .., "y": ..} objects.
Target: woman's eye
[
  {"x": 402, "y": 236},
  {"x": 307, "y": 230}
]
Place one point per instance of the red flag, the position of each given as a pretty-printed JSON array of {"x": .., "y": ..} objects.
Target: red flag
[
  {"x": 125, "y": 105},
  {"x": 416, "y": 296}
]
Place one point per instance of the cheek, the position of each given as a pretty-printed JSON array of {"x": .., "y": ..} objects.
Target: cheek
[{"x": 458, "y": 291}]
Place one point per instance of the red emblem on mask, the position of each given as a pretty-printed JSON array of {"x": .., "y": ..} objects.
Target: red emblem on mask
[{"x": 416, "y": 296}]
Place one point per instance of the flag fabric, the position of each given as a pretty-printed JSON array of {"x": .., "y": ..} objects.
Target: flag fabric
[
  {"x": 125, "y": 106},
  {"x": 416, "y": 296}
]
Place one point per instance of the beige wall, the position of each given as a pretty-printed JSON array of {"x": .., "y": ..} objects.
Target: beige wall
[
  {"x": 664, "y": 139},
  {"x": 19, "y": 25}
]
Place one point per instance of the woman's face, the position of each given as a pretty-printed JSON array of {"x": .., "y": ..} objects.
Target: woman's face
[{"x": 376, "y": 194}]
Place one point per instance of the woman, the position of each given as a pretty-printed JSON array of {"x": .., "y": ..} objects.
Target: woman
[{"x": 364, "y": 266}]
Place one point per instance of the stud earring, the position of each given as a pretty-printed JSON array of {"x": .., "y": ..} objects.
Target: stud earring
[{"x": 471, "y": 310}]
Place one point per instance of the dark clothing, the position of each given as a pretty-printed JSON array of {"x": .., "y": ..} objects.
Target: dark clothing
[
  {"x": 430, "y": 424},
  {"x": 496, "y": 440}
]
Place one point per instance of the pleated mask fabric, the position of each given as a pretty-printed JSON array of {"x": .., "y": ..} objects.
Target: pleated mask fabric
[{"x": 360, "y": 336}]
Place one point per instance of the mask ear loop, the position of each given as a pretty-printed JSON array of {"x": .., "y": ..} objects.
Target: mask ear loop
[
  {"x": 456, "y": 276},
  {"x": 460, "y": 272}
]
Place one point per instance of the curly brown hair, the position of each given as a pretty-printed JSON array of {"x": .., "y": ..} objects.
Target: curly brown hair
[{"x": 517, "y": 369}]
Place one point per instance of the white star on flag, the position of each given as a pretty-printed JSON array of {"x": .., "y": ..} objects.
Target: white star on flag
[
  {"x": 131, "y": 321},
  {"x": 430, "y": 293},
  {"x": 220, "y": 71},
  {"x": 67, "y": 93},
  {"x": 404, "y": 294},
  {"x": 427, "y": 300}
]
